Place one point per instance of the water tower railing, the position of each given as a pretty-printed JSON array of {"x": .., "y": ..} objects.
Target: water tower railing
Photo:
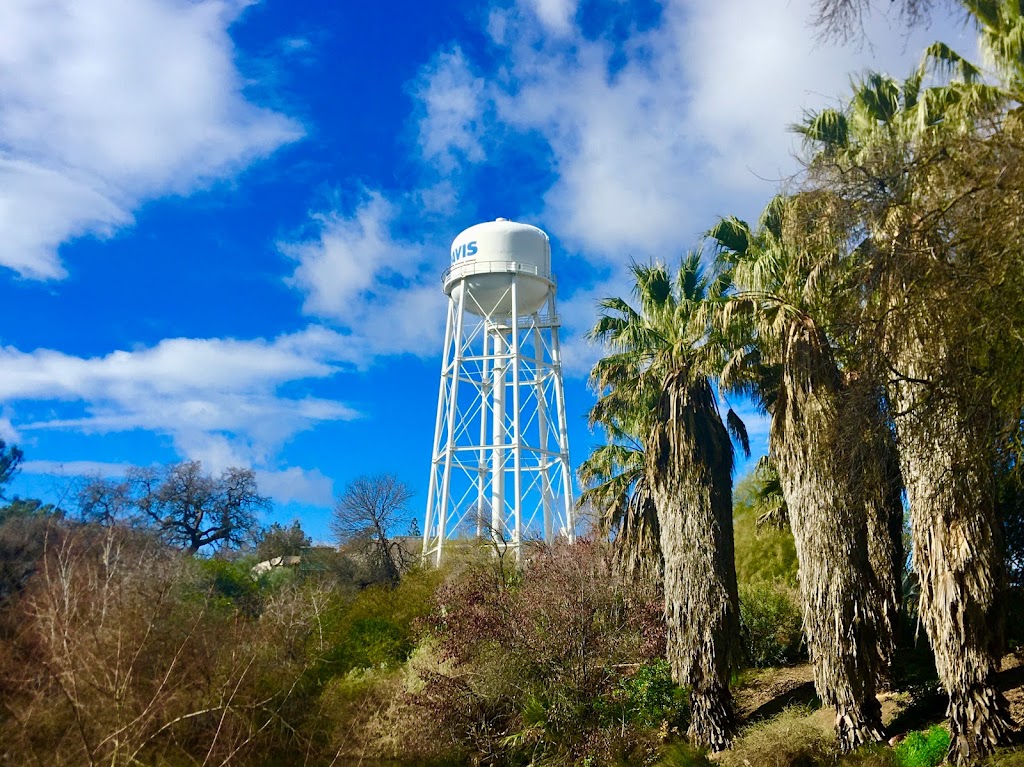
[{"x": 472, "y": 268}]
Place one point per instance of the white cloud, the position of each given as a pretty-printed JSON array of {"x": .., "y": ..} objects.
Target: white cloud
[
  {"x": 451, "y": 97},
  {"x": 556, "y": 15},
  {"x": 681, "y": 123},
  {"x": 345, "y": 257},
  {"x": 384, "y": 291},
  {"x": 107, "y": 103},
  {"x": 297, "y": 485},
  {"x": 7, "y": 431},
  {"x": 653, "y": 140},
  {"x": 741, "y": 103},
  {"x": 217, "y": 399}
]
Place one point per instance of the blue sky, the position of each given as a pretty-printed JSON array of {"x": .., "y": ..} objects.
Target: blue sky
[{"x": 223, "y": 223}]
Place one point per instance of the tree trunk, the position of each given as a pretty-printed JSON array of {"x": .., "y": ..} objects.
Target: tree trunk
[
  {"x": 689, "y": 469},
  {"x": 842, "y": 624},
  {"x": 875, "y": 463},
  {"x": 947, "y": 461}
]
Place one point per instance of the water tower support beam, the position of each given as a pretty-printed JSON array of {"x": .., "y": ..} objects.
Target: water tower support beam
[
  {"x": 435, "y": 457},
  {"x": 498, "y": 437},
  {"x": 541, "y": 374},
  {"x": 481, "y": 478},
  {"x": 563, "y": 433},
  {"x": 517, "y": 435},
  {"x": 453, "y": 403}
]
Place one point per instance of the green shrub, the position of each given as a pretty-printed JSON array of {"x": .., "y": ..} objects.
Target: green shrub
[
  {"x": 373, "y": 629},
  {"x": 377, "y": 642},
  {"x": 923, "y": 749},
  {"x": 874, "y": 755},
  {"x": 771, "y": 624},
  {"x": 230, "y": 583},
  {"x": 650, "y": 697}
]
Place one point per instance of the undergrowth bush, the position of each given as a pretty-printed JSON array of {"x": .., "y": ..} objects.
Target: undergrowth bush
[
  {"x": 771, "y": 624},
  {"x": 682, "y": 754},
  {"x": 558, "y": 664},
  {"x": 923, "y": 749},
  {"x": 649, "y": 696}
]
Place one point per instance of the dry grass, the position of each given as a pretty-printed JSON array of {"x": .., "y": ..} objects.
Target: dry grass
[{"x": 789, "y": 740}]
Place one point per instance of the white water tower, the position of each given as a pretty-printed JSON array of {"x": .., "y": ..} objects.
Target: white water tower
[{"x": 500, "y": 460}]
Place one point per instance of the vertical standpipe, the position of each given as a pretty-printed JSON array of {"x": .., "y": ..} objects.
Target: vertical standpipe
[{"x": 500, "y": 462}]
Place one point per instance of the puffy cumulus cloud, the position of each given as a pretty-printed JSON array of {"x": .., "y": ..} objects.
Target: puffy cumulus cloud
[
  {"x": 295, "y": 485},
  {"x": 218, "y": 399},
  {"x": 450, "y": 97},
  {"x": 174, "y": 367},
  {"x": 107, "y": 103},
  {"x": 653, "y": 135},
  {"x": 650, "y": 135},
  {"x": 555, "y": 15},
  {"x": 743, "y": 102},
  {"x": 354, "y": 272}
]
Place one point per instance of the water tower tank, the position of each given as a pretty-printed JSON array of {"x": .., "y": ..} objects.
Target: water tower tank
[{"x": 486, "y": 257}]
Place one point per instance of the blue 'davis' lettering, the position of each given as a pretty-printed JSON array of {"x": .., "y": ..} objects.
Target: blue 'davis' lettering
[{"x": 465, "y": 250}]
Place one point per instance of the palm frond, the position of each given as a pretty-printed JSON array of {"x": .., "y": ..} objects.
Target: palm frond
[
  {"x": 738, "y": 431},
  {"x": 829, "y": 128},
  {"x": 940, "y": 59},
  {"x": 731, "y": 235}
]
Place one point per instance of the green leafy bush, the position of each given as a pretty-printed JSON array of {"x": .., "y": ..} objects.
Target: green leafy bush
[
  {"x": 1011, "y": 757},
  {"x": 650, "y": 697},
  {"x": 229, "y": 583},
  {"x": 771, "y": 624},
  {"x": 923, "y": 749},
  {"x": 377, "y": 642}
]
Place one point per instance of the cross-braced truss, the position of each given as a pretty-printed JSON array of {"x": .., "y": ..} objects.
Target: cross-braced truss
[{"x": 500, "y": 461}]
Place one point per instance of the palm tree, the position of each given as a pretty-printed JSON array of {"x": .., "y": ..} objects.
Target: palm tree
[
  {"x": 918, "y": 174},
  {"x": 784, "y": 301},
  {"x": 616, "y": 486},
  {"x": 767, "y": 501},
  {"x": 660, "y": 354},
  {"x": 1001, "y": 27}
]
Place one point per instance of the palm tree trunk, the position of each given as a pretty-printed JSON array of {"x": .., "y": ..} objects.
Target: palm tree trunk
[
  {"x": 689, "y": 468},
  {"x": 879, "y": 482},
  {"x": 827, "y": 517},
  {"x": 946, "y": 457}
]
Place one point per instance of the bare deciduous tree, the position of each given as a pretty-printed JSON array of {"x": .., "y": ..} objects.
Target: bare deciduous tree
[
  {"x": 366, "y": 515},
  {"x": 188, "y": 507},
  {"x": 104, "y": 501}
]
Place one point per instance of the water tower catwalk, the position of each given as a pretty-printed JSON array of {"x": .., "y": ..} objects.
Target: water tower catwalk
[{"x": 500, "y": 461}]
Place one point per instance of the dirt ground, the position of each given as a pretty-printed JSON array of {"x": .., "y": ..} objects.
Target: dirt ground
[{"x": 763, "y": 694}]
